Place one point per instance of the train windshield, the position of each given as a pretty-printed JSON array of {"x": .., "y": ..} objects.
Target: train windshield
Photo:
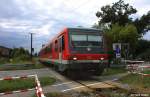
[{"x": 88, "y": 40}]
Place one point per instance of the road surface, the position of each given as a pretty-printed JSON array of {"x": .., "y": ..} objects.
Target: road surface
[{"x": 63, "y": 84}]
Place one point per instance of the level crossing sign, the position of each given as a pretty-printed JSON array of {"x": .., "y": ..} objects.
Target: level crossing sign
[{"x": 117, "y": 49}]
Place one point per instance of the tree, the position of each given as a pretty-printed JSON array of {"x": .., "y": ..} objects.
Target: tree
[
  {"x": 20, "y": 54},
  {"x": 118, "y": 26},
  {"x": 143, "y": 45},
  {"x": 119, "y": 12},
  {"x": 143, "y": 24},
  {"x": 122, "y": 34}
]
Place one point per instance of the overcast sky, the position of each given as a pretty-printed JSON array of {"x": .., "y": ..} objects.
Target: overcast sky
[{"x": 46, "y": 18}]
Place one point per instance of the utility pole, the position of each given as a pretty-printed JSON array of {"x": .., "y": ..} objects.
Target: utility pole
[{"x": 31, "y": 45}]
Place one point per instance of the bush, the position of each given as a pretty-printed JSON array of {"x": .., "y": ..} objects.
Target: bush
[
  {"x": 3, "y": 60},
  {"x": 145, "y": 55},
  {"x": 22, "y": 58},
  {"x": 20, "y": 54}
]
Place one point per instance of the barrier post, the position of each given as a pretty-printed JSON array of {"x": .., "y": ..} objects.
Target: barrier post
[{"x": 39, "y": 92}]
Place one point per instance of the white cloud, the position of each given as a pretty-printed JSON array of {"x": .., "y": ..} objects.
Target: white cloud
[
  {"x": 147, "y": 36},
  {"x": 43, "y": 29},
  {"x": 47, "y": 17},
  {"x": 142, "y": 6}
]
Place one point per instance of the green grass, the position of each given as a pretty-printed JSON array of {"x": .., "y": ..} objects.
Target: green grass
[
  {"x": 114, "y": 70},
  {"x": 136, "y": 81},
  {"x": 3, "y": 60},
  {"x": 46, "y": 81},
  {"x": 20, "y": 66},
  {"x": 17, "y": 84},
  {"x": 76, "y": 94},
  {"x": 146, "y": 72},
  {"x": 109, "y": 93}
]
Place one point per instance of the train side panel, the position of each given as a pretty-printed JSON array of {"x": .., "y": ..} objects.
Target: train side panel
[{"x": 59, "y": 53}]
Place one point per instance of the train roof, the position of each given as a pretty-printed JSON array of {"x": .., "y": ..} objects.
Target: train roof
[
  {"x": 82, "y": 28},
  {"x": 76, "y": 29}
]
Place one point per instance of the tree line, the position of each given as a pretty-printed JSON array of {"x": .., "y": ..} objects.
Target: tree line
[
  {"x": 119, "y": 26},
  {"x": 16, "y": 55}
]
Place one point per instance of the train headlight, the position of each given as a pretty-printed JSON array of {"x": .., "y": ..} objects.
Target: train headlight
[
  {"x": 74, "y": 58},
  {"x": 102, "y": 58}
]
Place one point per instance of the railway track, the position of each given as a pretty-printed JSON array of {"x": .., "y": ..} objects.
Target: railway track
[
  {"x": 93, "y": 86},
  {"x": 97, "y": 87}
]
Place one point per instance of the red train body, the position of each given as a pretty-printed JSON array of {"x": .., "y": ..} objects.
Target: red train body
[{"x": 76, "y": 49}]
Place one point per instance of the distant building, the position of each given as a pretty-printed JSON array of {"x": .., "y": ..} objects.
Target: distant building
[{"x": 4, "y": 51}]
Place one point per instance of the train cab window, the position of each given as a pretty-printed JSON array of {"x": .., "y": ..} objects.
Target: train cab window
[
  {"x": 56, "y": 45},
  {"x": 49, "y": 48}
]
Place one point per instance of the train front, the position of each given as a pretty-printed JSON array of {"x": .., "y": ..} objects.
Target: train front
[{"x": 87, "y": 50}]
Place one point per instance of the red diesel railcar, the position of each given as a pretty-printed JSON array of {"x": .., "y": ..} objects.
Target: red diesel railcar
[{"x": 76, "y": 49}]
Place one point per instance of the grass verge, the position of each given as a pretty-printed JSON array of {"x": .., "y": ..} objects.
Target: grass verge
[
  {"x": 20, "y": 64},
  {"x": 107, "y": 93},
  {"x": 23, "y": 66},
  {"x": 71, "y": 94},
  {"x": 17, "y": 84},
  {"x": 146, "y": 72},
  {"x": 114, "y": 70},
  {"x": 55, "y": 95},
  {"x": 136, "y": 81}
]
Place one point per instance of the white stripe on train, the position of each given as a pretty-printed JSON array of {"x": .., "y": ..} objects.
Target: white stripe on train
[{"x": 77, "y": 61}]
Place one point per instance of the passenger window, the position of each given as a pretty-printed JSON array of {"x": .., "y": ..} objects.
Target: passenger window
[
  {"x": 50, "y": 48},
  {"x": 56, "y": 46},
  {"x": 63, "y": 43},
  {"x": 60, "y": 44},
  {"x": 47, "y": 49}
]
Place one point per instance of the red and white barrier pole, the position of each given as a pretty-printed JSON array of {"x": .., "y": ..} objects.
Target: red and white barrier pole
[
  {"x": 134, "y": 68},
  {"x": 39, "y": 92},
  {"x": 144, "y": 66},
  {"x": 18, "y": 91},
  {"x": 17, "y": 77}
]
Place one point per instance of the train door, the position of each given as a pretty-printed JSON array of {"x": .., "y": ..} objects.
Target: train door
[{"x": 61, "y": 49}]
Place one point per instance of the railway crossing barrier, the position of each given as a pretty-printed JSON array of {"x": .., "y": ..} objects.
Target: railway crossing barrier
[
  {"x": 38, "y": 88},
  {"x": 136, "y": 68}
]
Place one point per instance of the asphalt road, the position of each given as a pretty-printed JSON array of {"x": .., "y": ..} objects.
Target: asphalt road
[
  {"x": 39, "y": 72},
  {"x": 63, "y": 84}
]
